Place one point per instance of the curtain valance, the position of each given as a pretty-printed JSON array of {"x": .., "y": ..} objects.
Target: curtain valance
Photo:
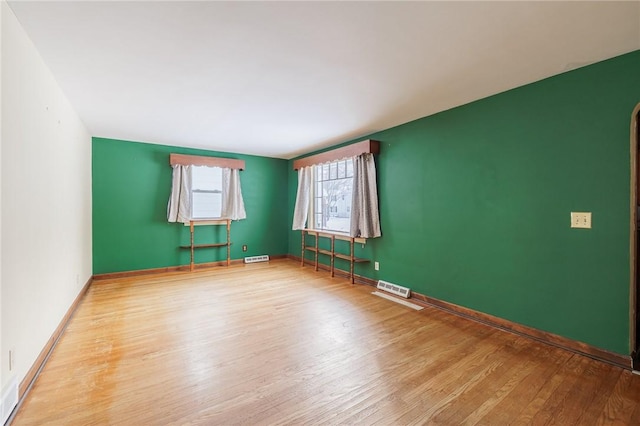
[
  {"x": 199, "y": 160},
  {"x": 365, "y": 147}
]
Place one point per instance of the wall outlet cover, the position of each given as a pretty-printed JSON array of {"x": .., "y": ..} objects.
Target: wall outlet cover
[{"x": 581, "y": 220}]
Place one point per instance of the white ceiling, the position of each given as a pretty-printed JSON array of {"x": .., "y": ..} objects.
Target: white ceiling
[{"x": 283, "y": 78}]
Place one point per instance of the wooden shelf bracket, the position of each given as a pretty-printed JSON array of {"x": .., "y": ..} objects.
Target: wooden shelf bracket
[
  {"x": 332, "y": 252},
  {"x": 192, "y": 246}
]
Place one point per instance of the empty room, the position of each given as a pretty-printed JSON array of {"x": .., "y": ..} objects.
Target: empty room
[{"x": 262, "y": 213}]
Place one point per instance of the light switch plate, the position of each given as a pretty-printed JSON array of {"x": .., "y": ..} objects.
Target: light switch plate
[{"x": 581, "y": 220}]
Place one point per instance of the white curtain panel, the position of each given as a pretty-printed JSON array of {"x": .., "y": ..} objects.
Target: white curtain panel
[
  {"x": 232, "y": 202},
  {"x": 301, "y": 209},
  {"x": 179, "y": 206},
  {"x": 365, "y": 218}
]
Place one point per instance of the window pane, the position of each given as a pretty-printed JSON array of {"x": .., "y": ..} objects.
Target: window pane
[
  {"x": 206, "y": 178},
  {"x": 332, "y": 205},
  {"x": 206, "y": 192},
  {"x": 206, "y": 205},
  {"x": 325, "y": 172},
  {"x": 333, "y": 171}
]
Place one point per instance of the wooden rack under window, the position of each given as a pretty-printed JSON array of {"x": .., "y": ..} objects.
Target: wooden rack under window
[
  {"x": 332, "y": 253},
  {"x": 193, "y": 247}
]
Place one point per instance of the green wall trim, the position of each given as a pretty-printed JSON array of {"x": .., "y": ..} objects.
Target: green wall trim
[
  {"x": 131, "y": 186},
  {"x": 475, "y": 204}
]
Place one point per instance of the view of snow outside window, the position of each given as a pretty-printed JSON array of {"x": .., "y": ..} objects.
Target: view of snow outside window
[
  {"x": 206, "y": 192},
  {"x": 332, "y": 196}
]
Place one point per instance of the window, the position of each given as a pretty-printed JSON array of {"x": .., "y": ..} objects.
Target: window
[
  {"x": 326, "y": 187},
  {"x": 206, "y": 192},
  {"x": 332, "y": 186},
  {"x": 205, "y": 188}
]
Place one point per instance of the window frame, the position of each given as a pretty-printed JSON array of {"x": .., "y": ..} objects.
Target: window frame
[
  {"x": 205, "y": 191},
  {"x": 318, "y": 171}
]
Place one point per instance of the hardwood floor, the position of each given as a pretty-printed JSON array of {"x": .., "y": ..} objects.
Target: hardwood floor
[{"x": 273, "y": 343}]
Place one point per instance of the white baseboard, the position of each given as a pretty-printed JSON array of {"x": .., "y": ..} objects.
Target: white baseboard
[{"x": 9, "y": 399}]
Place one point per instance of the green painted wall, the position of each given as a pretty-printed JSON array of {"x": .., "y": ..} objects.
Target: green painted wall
[
  {"x": 475, "y": 204},
  {"x": 131, "y": 186}
]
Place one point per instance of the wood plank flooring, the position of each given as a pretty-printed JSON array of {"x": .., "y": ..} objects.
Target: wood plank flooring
[{"x": 274, "y": 344}]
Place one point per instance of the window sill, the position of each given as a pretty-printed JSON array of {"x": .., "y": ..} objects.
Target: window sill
[
  {"x": 198, "y": 222},
  {"x": 336, "y": 235}
]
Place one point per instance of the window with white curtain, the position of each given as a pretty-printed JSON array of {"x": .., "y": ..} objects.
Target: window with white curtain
[
  {"x": 205, "y": 188},
  {"x": 339, "y": 195}
]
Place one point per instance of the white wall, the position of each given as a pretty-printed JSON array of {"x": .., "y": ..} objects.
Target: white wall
[
  {"x": 2, "y": 6},
  {"x": 45, "y": 201}
]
